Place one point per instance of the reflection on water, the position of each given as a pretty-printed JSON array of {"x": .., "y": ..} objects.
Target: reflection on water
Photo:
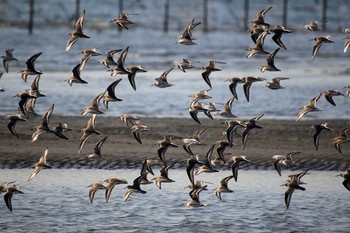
[{"x": 57, "y": 200}]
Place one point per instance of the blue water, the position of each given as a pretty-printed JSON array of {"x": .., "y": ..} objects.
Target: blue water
[
  {"x": 57, "y": 200},
  {"x": 156, "y": 50}
]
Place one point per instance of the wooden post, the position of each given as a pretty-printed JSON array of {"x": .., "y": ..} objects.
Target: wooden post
[
  {"x": 285, "y": 13},
  {"x": 166, "y": 16},
  {"x": 77, "y": 9},
  {"x": 31, "y": 17},
  {"x": 246, "y": 15},
  {"x": 324, "y": 15},
  {"x": 120, "y": 11},
  {"x": 205, "y": 15}
]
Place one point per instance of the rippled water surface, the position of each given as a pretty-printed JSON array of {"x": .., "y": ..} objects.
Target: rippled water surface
[{"x": 57, "y": 201}]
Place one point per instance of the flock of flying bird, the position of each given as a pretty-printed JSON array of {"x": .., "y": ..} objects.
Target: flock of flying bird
[{"x": 258, "y": 31}]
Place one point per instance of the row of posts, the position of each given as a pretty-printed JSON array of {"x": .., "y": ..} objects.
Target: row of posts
[{"x": 205, "y": 27}]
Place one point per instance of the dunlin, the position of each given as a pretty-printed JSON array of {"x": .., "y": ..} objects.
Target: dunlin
[
  {"x": 328, "y": 94},
  {"x": 235, "y": 165},
  {"x": 10, "y": 190},
  {"x": 162, "y": 81},
  {"x": 223, "y": 188},
  {"x": 77, "y": 33},
  {"x": 109, "y": 94},
  {"x": 293, "y": 183},
  {"x": 12, "y": 121},
  {"x": 90, "y": 129},
  {"x": 123, "y": 20},
  {"x": 97, "y": 149},
  {"x": 109, "y": 60},
  {"x": 185, "y": 36},
  {"x": 7, "y": 58},
  {"x": 163, "y": 177},
  {"x": 233, "y": 84},
  {"x": 319, "y": 41},
  {"x": 40, "y": 165},
  {"x": 86, "y": 56},
  {"x": 276, "y": 83},
  {"x": 270, "y": 62},
  {"x": 317, "y": 133},
  {"x": 278, "y": 32},
  {"x": 251, "y": 124},
  {"x": 112, "y": 182},
  {"x": 210, "y": 67},
  {"x": 93, "y": 189},
  {"x": 340, "y": 139},
  {"x": 137, "y": 128},
  {"x": 30, "y": 70},
  {"x": 44, "y": 126},
  {"x": 346, "y": 176},
  {"x": 310, "y": 107},
  {"x": 163, "y": 147},
  {"x": 76, "y": 76},
  {"x": 135, "y": 188},
  {"x": 133, "y": 70},
  {"x": 248, "y": 81},
  {"x": 260, "y": 18},
  {"x": 206, "y": 166}
]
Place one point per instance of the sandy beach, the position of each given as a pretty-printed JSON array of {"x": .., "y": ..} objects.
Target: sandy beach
[{"x": 121, "y": 150}]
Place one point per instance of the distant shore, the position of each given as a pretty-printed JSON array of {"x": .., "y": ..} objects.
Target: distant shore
[{"x": 121, "y": 150}]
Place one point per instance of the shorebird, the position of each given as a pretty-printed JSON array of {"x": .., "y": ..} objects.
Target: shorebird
[
  {"x": 191, "y": 163},
  {"x": 44, "y": 126},
  {"x": 132, "y": 74},
  {"x": 4, "y": 185},
  {"x": 203, "y": 94},
  {"x": 12, "y": 121},
  {"x": 256, "y": 30},
  {"x": 109, "y": 60},
  {"x": 233, "y": 84},
  {"x": 147, "y": 169},
  {"x": 194, "y": 194},
  {"x": 310, "y": 107},
  {"x": 137, "y": 128},
  {"x": 312, "y": 26},
  {"x": 97, "y": 149},
  {"x": 185, "y": 36},
  {"x": 276, "y": 83},
  {"x": 163, "y": 177},
  {"x": 120, "y": 66},
  {"x": 76, "y": 76},
  {"x": 293, "y": 183},
  {"x": 328, "y": 94},
  {"x": 162, "y": 81},
  {"x": 196, "y": 108},
  {"x": 260, "y": 18},
  {"x": 77, "y": 33},
  {"x": 341, "y": 138},
  {"x": 346, "y": 43},
  {"x": 231, "y": 130},
  {"x": 135, "y": 188},
  {"x": 93, "y": 109},
  {"x": 22, "y": 104},
  {"x": 285, "y": 160},
  {"x": 270, "y": 62},
  {"x": 319, "y": 42},
  {"x": 278, "y": 32},
  {"x": 109, "y": 94},
  {"x": 86, "y": 56},
  {"x": 227, "y": 111},
  {"x": 193, "y": 140},
  {"x": 112, "y": 182},
  {"x": 248, "y": 81},
  {"x": 220, "y": 158},
  {"x": 93, "y": 189},
  {"x": 206, "y": 166},
  {"x": 223, "y": 188},
  {"x": 7, "y": 58},
  {"x": 346, "y": 176},
  {"x": 90, "y": 129},
  {"x": 10, "y": 190},
  {"x": 40, "y": 165},
  {"x": 123, "y": 20},
  {"x": 210, "y": 67},
  {"x": 128, "y": 119},
  {"x": 34, "y": 88},
  {"x": 29, "y": 107},
  {"x": 235, "y": 165},
  {"x": 259, "y": 45},
  {"x": 163, "y": 147},
  {"x": 59, "y": 129},
  {"x": 317, "y": 133},
  {"x": 184, "y": 64},
  {"x": 30, "y": 70},
  {"x": 251, "y": 124}
]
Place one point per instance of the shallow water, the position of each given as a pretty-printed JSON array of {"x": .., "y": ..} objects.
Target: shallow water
[
  {"x": 156, "y": 50},
  {"x": 57, "y": 200}
]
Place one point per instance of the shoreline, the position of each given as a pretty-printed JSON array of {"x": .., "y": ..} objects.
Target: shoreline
[{"x": 121, "y": 150}]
